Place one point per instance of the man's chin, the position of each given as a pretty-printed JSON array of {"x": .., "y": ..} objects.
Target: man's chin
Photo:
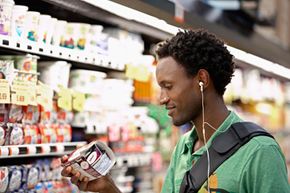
[{"x": 177, "y": 123}]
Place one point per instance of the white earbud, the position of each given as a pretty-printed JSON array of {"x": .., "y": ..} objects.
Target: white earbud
[{"x": 201, "y": 86}]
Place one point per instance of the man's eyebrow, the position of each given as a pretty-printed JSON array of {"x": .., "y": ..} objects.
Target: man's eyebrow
[{"x": 163, "y": 82}]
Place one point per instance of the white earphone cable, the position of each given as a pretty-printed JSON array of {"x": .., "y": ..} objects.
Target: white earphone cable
[{"x": 205, "y": 142}]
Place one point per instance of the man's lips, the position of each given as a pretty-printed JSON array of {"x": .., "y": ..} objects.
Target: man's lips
[{"x": 170, "y": 109}]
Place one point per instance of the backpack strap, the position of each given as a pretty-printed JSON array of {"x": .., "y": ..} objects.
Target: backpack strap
[{"x": 223, "y": 146}]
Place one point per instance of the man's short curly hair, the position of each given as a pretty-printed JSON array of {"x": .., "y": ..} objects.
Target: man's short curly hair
[{"x": 199, "y": 49}]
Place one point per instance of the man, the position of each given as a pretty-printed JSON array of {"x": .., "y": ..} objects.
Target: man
[{"x": 194, "y": 67}]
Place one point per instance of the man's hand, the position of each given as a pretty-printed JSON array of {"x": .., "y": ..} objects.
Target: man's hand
[{"x": 102, "y": 185}]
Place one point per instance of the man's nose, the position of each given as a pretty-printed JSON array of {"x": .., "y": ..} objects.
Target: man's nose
[{"x": 163, "y": 100}]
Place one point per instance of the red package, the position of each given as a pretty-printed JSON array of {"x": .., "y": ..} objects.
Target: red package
[
  {"x": 3, "y": 134},
  {"x": 15, "y": 113},
  {"x": 31, "y": 114},
  {"x": 31, "y": 134},
  {"x": 64, "y": 133},
  {"x": 48, "y": 133}
]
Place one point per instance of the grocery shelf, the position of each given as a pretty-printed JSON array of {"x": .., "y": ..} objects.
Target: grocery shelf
[
  {"x": 133, "y": 159},
  {"x": 60, "y": 53},
  {"x": 38, "y": 150}
]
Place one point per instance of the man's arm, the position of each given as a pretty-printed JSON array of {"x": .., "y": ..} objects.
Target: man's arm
[{"x": 265, "y": 172}]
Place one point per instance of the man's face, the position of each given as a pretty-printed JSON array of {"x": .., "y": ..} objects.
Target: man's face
[{"x": 181, "y": 92}]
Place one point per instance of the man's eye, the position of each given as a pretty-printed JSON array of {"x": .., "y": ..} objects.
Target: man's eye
[{"x": 168, "y": 86}]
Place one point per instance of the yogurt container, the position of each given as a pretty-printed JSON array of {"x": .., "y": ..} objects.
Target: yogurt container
[
  {"x": 31, "y": 25},
  {"x": 18, "y": 20},
  {"x": 43, "y": 27},
  {"x": 4, "y": 179},
  {"x": 5, "y": 16},
  {"x": 92, "y": 160}
]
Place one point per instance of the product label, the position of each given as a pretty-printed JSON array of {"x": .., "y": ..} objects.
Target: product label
[
  {"x": 32, "y": 178},
  {"x": 2, "y": 136},
  {"x": 15, "y": 180},
  {"x": 103, "y": 165},
  {"x": 78, "y": 101},
  {"x": 64, "y": 100},
  {"x": 22, "y": 92},
  {"x": 16, "y": 136},
  {"x": 92, "y": 160},
  {"x": 4, "y": 179},
  {"x": 4, "y": 91}
]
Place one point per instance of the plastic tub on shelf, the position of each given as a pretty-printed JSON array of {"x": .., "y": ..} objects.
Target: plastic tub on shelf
[
  {"x": 58, "y": 33},
  {"x": 31, "y": 25},
  {"x": 6, "y": 7},
  {"x": 18, "y": 20},
  {"x": 87, "y": 81},
  {"x": 75, "y": 35},
  {"x": 51, "y": 30},
  {"x": 43, "y": 27},
  {"x": 55, "y": 73}
]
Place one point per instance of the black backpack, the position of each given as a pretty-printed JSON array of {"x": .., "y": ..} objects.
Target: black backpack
[{"x": 223, "y": 146}]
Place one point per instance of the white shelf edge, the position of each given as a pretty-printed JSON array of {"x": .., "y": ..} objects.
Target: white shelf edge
[
  {"x": 58, "y": 52},
  {"x": 62, "y": 145},
  {"x": 133, "y": 160}
]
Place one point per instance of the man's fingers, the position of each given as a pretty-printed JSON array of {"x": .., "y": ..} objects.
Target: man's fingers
[
  {"x": 64, "y": 159},
  {"x": 75, "y": 178},
  {"x": 67, "y": 171},
  {"x": 83, "y": 185}
]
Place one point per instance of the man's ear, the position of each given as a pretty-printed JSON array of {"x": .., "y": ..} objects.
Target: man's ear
[{"x": 203, "y": 76}]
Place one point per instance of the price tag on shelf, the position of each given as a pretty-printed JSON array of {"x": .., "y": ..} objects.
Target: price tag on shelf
[
  {"x": 45, "y": 149},
  {"x": 131, "y": 71},
  {"x": 22, "y": 92},
  {"x": 31, "y": 150},
  {"x": 13, "y": 150},
  {"x": 32, "y": 94},
  {"x": 4, "y": 92},
  {"x": 44, "y": 96},
  {"x": 20, "y": 98},
  {"x": 64, "y": 100},
  {"x": 138, "y": 72},
  {"x": 59, "y": 148},
  {"x": 78, "y": 101},
  {"x": 4, "y": 151}
]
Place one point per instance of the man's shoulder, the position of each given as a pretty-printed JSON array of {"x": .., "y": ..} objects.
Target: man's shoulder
[{"x": 260, "y": 143}]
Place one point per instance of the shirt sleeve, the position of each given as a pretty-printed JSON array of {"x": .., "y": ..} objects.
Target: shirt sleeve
[
  {"x": 265, "y": 172},
  {"x": 168, "y": 185}
]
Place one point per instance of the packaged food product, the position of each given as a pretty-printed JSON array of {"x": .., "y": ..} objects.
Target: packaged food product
[
  {"x": 15, "y": 178},
  {"x": 4, "y": 179},
  {"x": 58, "y": 33},
  {"x": 15, "y": 113},
  {"x": 64, "y": 133},
  {"x": 3, "y": 134},
  {"x": 31, "y": 114},
  {"x": 5, "y": 16},
  {"x": 48, "y": 133},
  {"x": 31, "y": 134},
  {"x": 92, "y": 160},
  {"x": 16, "y": 135},
  {"x": 7, "y": 68},
  {"x": 43, "y": 28},
  {"x": 31, "y": 25},
  {"x": 18, "y": 20},
  {"x": 54, "y": 73},
  {"x": 27, "y": 63},
  {"x": 32, "y": 177}
]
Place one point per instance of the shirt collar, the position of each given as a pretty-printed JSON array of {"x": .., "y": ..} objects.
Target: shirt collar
[
  {"x": 191, "y": 136},
  {"x": 189, "y": 139}
]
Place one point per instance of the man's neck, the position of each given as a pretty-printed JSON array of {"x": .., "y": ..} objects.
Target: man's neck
[{"x": 214, "y": 114}]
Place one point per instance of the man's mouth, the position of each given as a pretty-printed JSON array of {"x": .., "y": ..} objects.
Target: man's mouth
[{"x": 170, "y": 110}]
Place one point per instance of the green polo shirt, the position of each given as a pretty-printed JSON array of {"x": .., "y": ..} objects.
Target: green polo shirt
[{"x": 257, "y": 167}]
